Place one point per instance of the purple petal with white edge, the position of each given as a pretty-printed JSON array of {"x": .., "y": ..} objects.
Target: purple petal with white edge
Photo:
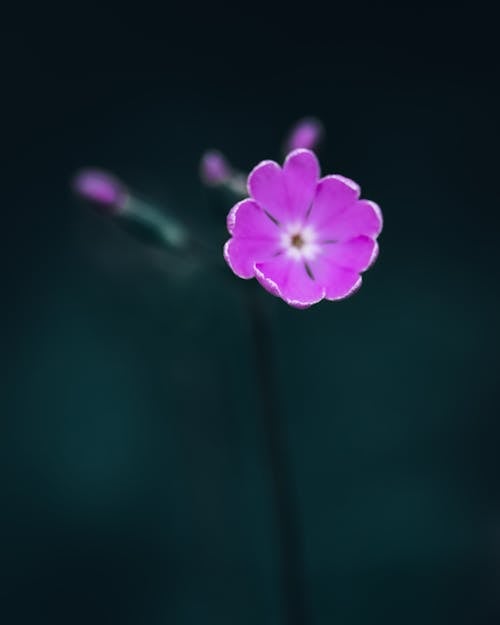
[
  {"x": 334, "y": 194},
  {"x": 288, "y": 278},
  {"x": 357, "y": 253},
  {"x": 362, "y": 217},
  {"x": 266, "y": 185},
  {"x": 242, "y": 254},
  {"x": 301, "y": 171},
  {"x": 339, "y": 282},
  {"x": 255, "y": 237},
  {"x": 247, "y": 220}
]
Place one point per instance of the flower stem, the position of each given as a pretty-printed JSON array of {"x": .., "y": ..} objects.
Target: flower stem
[
  {"x": 283, "y": 487},
  {"x": 151, "y": 225}
]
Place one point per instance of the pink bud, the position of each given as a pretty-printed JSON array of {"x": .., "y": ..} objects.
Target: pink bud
[
  {"x": 307, "y": 133},
  {"x": 101, "y": 188},
  {"x": 214, "y": 168}
]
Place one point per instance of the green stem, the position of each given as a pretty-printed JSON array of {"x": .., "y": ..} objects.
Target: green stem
[{"x": 148, "y": 223}]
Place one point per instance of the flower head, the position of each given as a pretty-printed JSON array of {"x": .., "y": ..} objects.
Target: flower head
[
  {"x": 304, "y": 238},
  {"x": 102, "y": 189},
  {"x": 307, "y": 133}
]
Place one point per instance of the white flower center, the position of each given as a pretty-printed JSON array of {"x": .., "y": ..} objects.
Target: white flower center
[{"x": 300, "y": 242}]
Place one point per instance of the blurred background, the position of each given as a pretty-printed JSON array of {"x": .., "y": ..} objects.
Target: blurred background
[{"x": 134, "y": 476}]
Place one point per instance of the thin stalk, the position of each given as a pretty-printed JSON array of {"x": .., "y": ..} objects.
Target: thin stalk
[
  {"x": 283, "y": 487},
  {"x": 153, "y": 225}
]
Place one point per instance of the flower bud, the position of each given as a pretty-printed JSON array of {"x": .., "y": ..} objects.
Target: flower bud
[
  {"x": 102, "y": 189},
  {"x": 214, "y": 168},
  {"x": 306, "y": 133}
]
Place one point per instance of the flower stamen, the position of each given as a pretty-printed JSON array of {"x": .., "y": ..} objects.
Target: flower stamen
[{"x": 297, "y": 241}]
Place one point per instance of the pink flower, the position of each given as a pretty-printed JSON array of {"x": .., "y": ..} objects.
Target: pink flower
[{"x": 302, "y": 237}]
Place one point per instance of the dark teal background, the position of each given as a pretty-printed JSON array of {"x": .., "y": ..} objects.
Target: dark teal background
[{"x": 135, "y": 484}]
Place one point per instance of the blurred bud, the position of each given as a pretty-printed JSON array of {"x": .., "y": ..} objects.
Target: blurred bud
[
  {"x": 307, "y": 133},
  {"x": 214, "y": 168},
  {"x": 102, "y": 189}
]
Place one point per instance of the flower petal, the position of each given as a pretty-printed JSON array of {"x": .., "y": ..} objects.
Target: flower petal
[
  {"x": 247, "y": 220},
  {"x": 242, "y": 254},
  {"x": 362, "y": 217},
  {"x": 266, "y": 185},
  {"x": 338, "y": 282},
  {"x": 301, "y": 172},
  {"x": 334, "y": 194},
  {"x": 289, "y": 279},
  {"x": 344, "y": 283},
  {"x": 357, "y": 254}
]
